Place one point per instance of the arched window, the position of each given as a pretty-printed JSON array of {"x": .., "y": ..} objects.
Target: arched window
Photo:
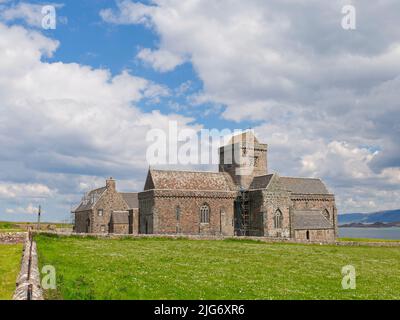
[
  {"x": 278, "y": 219},
  {"x": 204, "y": 214},
  {"x": 178, "y": 213},
  {"x": 326, "y": 214}
]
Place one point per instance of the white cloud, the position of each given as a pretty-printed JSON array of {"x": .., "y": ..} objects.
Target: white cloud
[
  {"x": 66, "y": 126},
  {"x": 30, "y": 209},
  {"x": 326, "y": 98},
  {"x": 392, "y": 175},
  {"x": 160, "y": 60},
  {"x": 28, "y": 12},
  {"x": 250, "y": 53},
  {"x": 31, "y": 13},
  {"x": 78, "y": 115},
  {"x": 350, "y": 161},
  {"x": 130, "y": 12},
  {"x": 23, "y": 190}
]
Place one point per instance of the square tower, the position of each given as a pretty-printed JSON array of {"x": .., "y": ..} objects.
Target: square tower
[{"x": 243, "y": 158}]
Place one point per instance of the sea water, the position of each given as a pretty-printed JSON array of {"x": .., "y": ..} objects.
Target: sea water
[{"x": 372, "y": 233}]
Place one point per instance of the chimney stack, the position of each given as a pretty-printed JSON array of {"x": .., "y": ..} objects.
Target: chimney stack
[{"x": 110, "y": 184}]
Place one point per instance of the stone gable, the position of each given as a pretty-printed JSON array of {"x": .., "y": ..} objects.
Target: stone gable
[{"x": 216, "y": 203}]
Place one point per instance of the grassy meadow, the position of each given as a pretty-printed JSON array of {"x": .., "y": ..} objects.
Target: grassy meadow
[
  {"x": 10, "y": 258},
  {"x": 9, "y": 227},
  {"x": 23, "y": 226},
  {"x": 160, "y": 268}
]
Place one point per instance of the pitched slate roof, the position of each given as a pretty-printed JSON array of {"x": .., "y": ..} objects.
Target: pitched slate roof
[
  {"x": 310, "y": 219},
  {"x": 261, "y": 182},
  {"x": 304, "y": 185},
  {"x": 189, "y": 180},
  {"x": 90, "y": 199},
  {"x": 131, "y": 199},
  {"x": 120, "y": 217}
]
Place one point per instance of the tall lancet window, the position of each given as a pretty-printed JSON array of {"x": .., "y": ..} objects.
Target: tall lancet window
[
  {"x": 205, "y": 214},
  {"x": 278, "y": 219}
]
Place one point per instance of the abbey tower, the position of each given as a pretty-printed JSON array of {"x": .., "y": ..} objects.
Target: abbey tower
[{"x": 244, "y": 158}]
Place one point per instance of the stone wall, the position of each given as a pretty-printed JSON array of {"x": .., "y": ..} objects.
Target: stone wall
[
  {"x": 273, "y": 204},
  {"x": 164, "y": 212},
  {"x": 146, "y": 205},
  {"x": 12, "y": 237},
  {"x": 264, "y": 204},
  {"x": 110, "y": 201},
  {"x": 243, "y": 173},
  {"x": 120, "y": 228},
  {"x": 28, "y": 281},
  {"x": 315, "y": 235},
  {"x": 317, "y": 202},
  {"x": 134, "y": 221},
  {"x": 81, "y": 220},
  {"x": 276, "y": 199}
]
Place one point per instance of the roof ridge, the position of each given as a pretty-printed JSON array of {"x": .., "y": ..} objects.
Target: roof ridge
[
  {"x": 90, "y": 205},
  {"x": 192, "y": 171},
  {"x": 270, "y": 180},
  {"x": 230, "y": 182},
  {"x": 290, "y": 177},
  {"x": 194, "y": 190},
  {"x": 270, "y": 175},
  {"x": 96, "y": 189},
  {"x": 264, "y": 175}
]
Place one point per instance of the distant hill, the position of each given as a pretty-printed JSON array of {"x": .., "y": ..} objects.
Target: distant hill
[
  {"x": 371, "y": 225},
  {"x": 380, "y": 216}
]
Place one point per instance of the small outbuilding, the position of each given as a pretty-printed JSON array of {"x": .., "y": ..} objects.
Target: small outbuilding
[
  {"x": 105, "y": 210},
  {"x": 119, "y": 222}
]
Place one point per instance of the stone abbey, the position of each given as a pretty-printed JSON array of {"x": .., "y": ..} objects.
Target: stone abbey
[{"x": 234, "y": 201}]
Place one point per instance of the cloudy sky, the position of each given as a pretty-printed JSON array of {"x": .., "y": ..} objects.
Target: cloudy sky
[{"x": 76, "y": 102}]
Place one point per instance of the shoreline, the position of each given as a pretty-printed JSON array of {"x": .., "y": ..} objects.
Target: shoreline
[{"x": 375, "y": 225}]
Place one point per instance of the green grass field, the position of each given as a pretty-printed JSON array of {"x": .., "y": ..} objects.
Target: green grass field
[
  {"x": 9, "y": 227},
  {"x": 10, "y": 258},
  {"x": 23, "y": 226},
  {"x": 89, "y": 268}
]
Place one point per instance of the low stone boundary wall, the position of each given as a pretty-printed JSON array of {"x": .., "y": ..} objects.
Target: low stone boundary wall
[
  {"x": 219, "y": 237},
  {"x": 12, "y": 237},
  {"x": 370, "y": 244},
  {"x": 28, "y": 281}
]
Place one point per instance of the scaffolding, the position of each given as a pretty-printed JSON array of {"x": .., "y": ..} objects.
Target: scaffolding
[{"x": 242, "y": 214}]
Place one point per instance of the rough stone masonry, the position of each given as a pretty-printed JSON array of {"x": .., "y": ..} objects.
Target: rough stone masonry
[{"x": 230, "y": 202}]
